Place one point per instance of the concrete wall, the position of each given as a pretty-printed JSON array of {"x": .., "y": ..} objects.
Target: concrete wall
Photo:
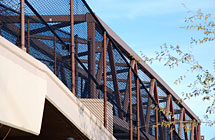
[{"x": 25, "y": 83}]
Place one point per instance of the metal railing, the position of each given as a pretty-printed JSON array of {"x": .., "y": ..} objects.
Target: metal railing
[{"x": 74, "y": 47}]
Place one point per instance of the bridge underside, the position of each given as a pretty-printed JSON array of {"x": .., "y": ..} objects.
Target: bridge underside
[
  {"x": 54, "y": 126},
  {"x": 75, "y": 47}
]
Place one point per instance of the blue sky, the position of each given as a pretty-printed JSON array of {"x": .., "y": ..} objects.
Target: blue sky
[{"x": 146, "y": 25}]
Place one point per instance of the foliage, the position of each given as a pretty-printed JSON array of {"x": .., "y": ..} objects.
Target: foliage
[{"x": 174, "y": 56}]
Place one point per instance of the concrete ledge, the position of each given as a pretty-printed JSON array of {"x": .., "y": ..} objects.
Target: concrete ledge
[{"x": 56, "y": 92}]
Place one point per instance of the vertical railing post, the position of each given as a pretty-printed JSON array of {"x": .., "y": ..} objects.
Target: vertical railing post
[
  {"x": 28, "y": 35},
  {"x": 181, "y": 122},
  {"x": 192, "y": 130},
  {"x": 72, "y": 48},
  {"x": 172, "y": 117},
  {"x": 185, "y": 126},
  {"x": 195, "y": 132},
  {"x": 76, "y": 65},
  {"x": 167, "y": 114},
  {"x": 199, "y": 130},
  {"x": 138, "y": 103},
  {"x": 105, "y": 80},
  {"x": 22, "y": 22},
  {"x": 130, "y": 101}
]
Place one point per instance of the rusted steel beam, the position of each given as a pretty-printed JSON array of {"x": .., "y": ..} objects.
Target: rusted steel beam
[
  {"x": 185, "y": 126},
  {"x": 45, "y": 37},
  {"x": 172, "y": 117},
  {"x": 22, "y": 24},
  {"x": 168, "y": 105},
  {"x": 167, "y": 113},
  {"x": 78, "y": 39},
  {"x": 114, "y": 76},
  {"x": 86, "y": 52},
  {"x": 148, "y": 113},
  {"x": 192, "y": 130},
  {"x": 199, "y": 130},
  {"x": 138, "y": 102},
  {"x": 76, "y": 65},
  {"x": 159, "y": 128},
  {"x": 91, "y": 58},
  {"x": 105, "y": 75},
  {"x": 108, "y": 63},
  {"x": 181, "y": 122},
  {"x": 156, "y": 111},
  {"x": 172, "y": 112},
  {"x": 142, "y": 115},
  {"x": 54, "y": 27},
  {"x": 130, "y": 101},
  {"x": 126, "y": 94},
  {"x": 50, "y": 18},
  {"x": 72, "y": 49},
  {"x": 82, "y": 72},
  {"x": 195, "y": 132},
  {"x": 100, "y": 70}
]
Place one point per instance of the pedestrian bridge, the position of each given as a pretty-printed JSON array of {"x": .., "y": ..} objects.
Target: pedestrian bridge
[{"x": 66, "y": 74}]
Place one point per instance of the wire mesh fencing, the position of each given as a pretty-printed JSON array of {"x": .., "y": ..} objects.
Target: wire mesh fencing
[{"x": 48, "y": 36}]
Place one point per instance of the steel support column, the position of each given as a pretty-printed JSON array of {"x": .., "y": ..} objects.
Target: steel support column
[
  {"x": 181, "y": 122},
  {"x": 76, "y": 65},
  {"x": 138, "y": 102},
  {"x": 172, "y": 117},
  {"x": 192, "y": 130},
  {"x": 199, "y": 130},
  {"x": 105, "y": 80},
  {"x": 185, "y": 126},
  {"x": 130, "y": 101},
  {"x": 156, "y": 111},
  {"x": 195, "y": 132},
  {"x": 167, "y": 113},
  {"x": 91, "y": 58},
  {"x": 22, "y": 24},
  {"x": 167, "y": 106},
  {"x": 72, "y": 48}
]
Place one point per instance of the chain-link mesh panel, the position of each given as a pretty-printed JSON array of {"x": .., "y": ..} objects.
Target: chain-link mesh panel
[{"x": 9, "y": 21}]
